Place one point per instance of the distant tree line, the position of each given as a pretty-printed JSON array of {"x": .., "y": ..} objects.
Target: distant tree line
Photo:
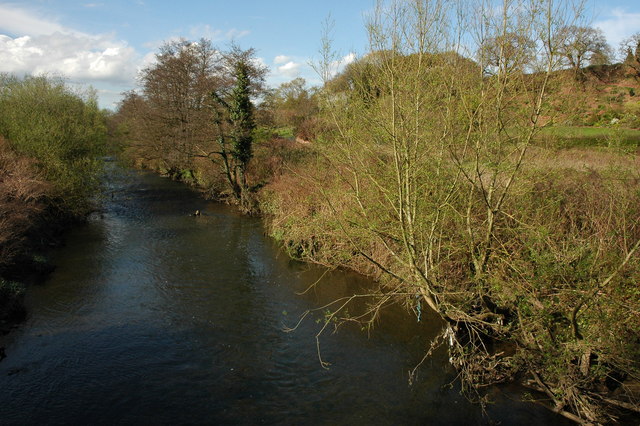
[{"x": 576, "y": 46}]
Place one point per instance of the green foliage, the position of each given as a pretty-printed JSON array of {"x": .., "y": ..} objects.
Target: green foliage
[
  {"x": 10, "y": 290},
  {"x": 241, "y": 115},
  {"x": 64, "y": 130},
  {"x": 186, "y": 175},
  {"x": 11, "y": 294}
]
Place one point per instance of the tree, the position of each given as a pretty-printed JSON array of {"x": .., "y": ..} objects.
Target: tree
[
  {"x": 630, "y": 49},
  {"x": 176, "y": 90},
  {"x": 432, "y": 192},
  {"x": 196, "y": 103},
  {"x": 581, "y": 45},
  {"x": 233, "y": 117},
  {"x": 242, "y": 123},
  {"x": 511, "y": 51},
  {"x": 62, "y": 128},
  {"x": 293, "y": 104}
]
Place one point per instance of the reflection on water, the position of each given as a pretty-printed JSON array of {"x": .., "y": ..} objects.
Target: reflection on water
[{"x": 154, "y": 316}]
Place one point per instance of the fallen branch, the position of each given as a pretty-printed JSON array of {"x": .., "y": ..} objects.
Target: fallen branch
[{"x": 540, "y": 386}]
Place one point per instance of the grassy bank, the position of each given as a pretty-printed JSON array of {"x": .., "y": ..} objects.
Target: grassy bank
[
  {"x": 563, "y": 282},
  {"x": 559, "y": 294}
]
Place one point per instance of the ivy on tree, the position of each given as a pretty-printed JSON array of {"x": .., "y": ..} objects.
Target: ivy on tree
[{"x": 241, "y": 118}]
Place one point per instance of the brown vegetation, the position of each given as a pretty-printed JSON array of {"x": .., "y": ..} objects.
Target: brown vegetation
[
  {"x": 23, "y": 193},
  {"x": 604, "y": 93},
  {"x": 434, "y": 185},
  {"x": 50, "y": 138},
  {"x": 23, "y": 201}
]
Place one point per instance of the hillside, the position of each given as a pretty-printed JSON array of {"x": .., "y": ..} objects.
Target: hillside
[{"x": 602, "y": 96}]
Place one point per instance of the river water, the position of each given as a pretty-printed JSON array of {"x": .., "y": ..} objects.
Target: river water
[{"x": 156, "y": 317}]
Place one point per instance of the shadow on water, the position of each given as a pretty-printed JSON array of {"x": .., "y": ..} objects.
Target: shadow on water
[{"x": 154, "y": 316}]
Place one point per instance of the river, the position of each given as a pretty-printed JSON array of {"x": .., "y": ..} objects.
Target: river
[{"x": 153, "y": 316}]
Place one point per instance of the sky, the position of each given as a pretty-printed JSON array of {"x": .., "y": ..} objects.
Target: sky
[{"x": 106, "y": 43}]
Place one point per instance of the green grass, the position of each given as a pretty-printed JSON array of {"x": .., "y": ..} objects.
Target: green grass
[
  {"x": 263, "y": 134},
  {"x": 574, "y": 136},
  {"x": 285, "y": 132}
]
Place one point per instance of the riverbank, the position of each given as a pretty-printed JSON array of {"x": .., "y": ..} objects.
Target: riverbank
[
  {"x": 23, "y": 194},
  {"x": 565, "y": 265},
  {"x": 575, "y": 212},
  {"x": 29, "y": 263},
  {"x": 191, "y": 312},
  {"x": 51, "y": 137}
]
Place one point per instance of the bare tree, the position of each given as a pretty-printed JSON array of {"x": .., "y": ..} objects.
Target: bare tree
[
  {"x": 176, "y": 89},
  {"x": 581, "y": 45},
  {"x": 511, "y": 51},
  {"x": 630, "y": 50}
]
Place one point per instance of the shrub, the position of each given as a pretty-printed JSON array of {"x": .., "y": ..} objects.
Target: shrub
[
  {"x": 23, "y": 194},
  {"x": 11, "y": 294},
  {"x": 63, "y": 130}
]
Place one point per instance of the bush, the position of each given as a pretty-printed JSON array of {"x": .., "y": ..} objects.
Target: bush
[
  {"x": 11, "y": 294},
  {"x": 23, "y": 195},
  {"x": 630, "y": 120},
  {"x": 10, "y": 290},
  {"x": 63, "y": 130}
]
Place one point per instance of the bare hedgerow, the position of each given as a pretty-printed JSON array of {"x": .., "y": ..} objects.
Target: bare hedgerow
[{"x": 23, "y": 192}]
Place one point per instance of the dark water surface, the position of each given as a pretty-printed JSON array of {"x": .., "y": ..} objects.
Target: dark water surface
[{"x": 156, "y": 317}]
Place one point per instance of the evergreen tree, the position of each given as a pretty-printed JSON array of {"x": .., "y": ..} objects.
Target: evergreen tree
[
  {"x": 241, "y": 117},
  {"x": 233, "y": 117}
]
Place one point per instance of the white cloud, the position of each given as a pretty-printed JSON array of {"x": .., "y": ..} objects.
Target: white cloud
[
  {"x": 290, "y": 69},
  {"x": 337, "y": 66},
  {"x": 147, "y": 60},
  {"x": 259, "y": 62},
  {"x": 281, "y": 59},
  {"x": 286, "y": 68},
  {"x": 78, "y": 56},
  {"x": 213, "y": 34},
  {"x": 17, "y": 21},
  {"x": 31, "y": 45},
  {"x": 619, "y": 25},
  {"x": 233, "y": 33}
]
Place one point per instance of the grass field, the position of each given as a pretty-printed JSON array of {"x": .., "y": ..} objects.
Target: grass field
[{"x": 575, "y": 137}]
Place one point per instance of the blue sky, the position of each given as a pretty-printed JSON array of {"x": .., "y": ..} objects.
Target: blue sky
[{"x": 105, "y": 43}]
